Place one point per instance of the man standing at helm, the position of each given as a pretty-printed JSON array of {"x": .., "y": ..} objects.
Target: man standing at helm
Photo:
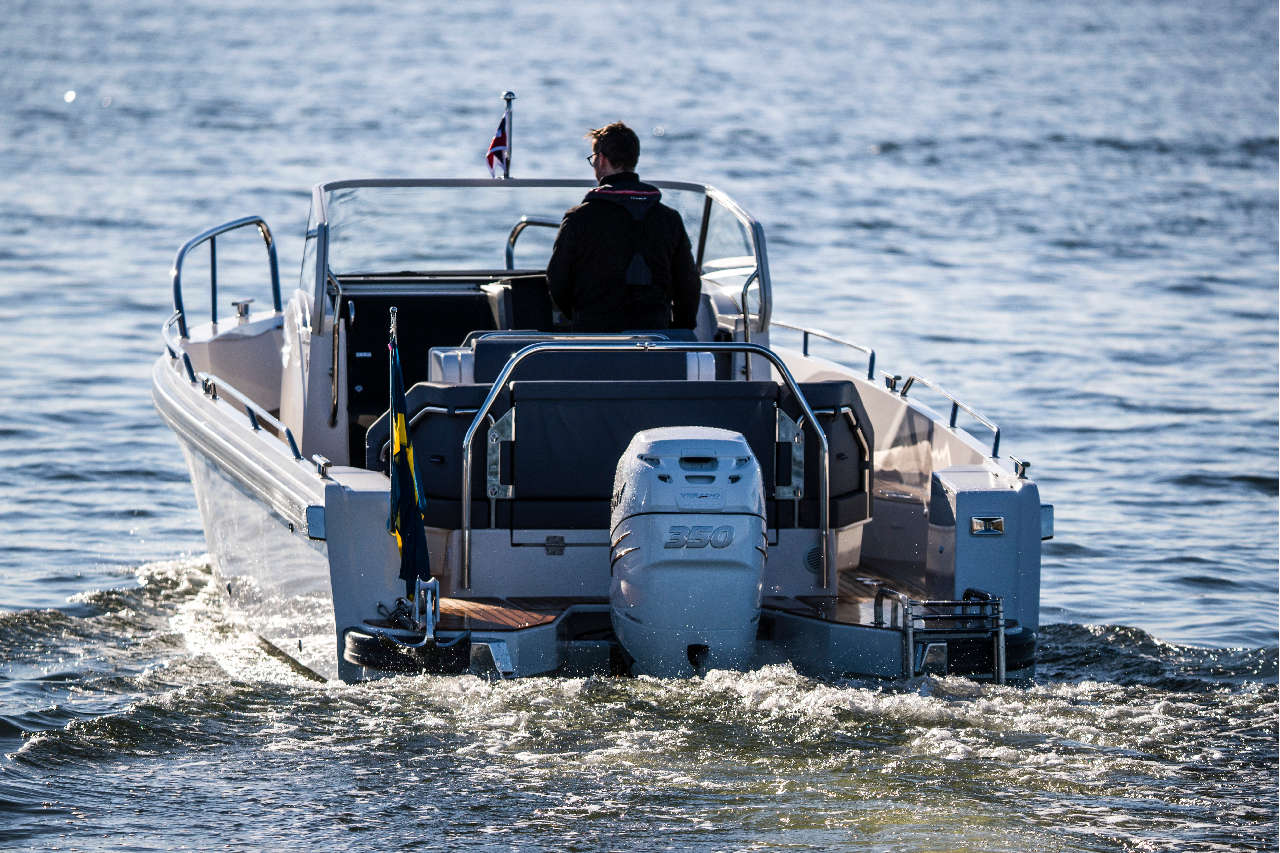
[{"x": 622, "y": 259}]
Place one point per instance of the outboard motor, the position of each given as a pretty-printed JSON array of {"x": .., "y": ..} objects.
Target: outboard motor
[{"x": 689, "y": 545}]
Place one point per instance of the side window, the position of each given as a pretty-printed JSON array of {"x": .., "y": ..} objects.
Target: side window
[
  {"x": 728, "y": 242},
  {"x": 729, "y": 256},
  {"x": 307, "y": 280},
  {"x": 311, "y": 250}
]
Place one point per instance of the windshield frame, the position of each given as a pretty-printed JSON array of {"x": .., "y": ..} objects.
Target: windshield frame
[{"x": 319, "y": 223}]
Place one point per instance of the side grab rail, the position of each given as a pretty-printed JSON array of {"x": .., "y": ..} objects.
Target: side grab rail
[
  {"x": 892, "y": 381},
  {"x": 956, "y": 407},
  {"x": 171, "y": 343},
  {"x": 215, "y": 387},
  {"x": 746, "y": 313},
  {"x": 806, "y": 334},
  {"x": 210, "y": 237},
  {"x": 810, "y": 420},
  {"x": 525, "y": 222}
]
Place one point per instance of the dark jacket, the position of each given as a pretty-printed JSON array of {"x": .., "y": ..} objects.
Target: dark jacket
[{"x": 593, "y": 260}]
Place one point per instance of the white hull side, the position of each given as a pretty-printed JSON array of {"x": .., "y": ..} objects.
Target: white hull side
[
  {"x": 257, "y": 504},
  {"x": 276, "y": 578}
]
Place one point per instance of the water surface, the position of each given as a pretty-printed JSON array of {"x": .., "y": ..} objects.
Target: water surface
[{"x": 1065, "y": 213}]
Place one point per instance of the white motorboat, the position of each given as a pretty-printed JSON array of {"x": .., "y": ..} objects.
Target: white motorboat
[{"x": 657, "y": 503}]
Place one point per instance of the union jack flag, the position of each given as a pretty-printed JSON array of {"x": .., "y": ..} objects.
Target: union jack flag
[{"x": 497, "y": 153}]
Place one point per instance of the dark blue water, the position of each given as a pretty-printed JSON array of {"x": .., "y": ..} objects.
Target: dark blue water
[{"x": 1065, "y": 213}]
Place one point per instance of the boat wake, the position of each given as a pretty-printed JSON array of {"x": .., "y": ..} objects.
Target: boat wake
[{"x": 1122, "y": 741}]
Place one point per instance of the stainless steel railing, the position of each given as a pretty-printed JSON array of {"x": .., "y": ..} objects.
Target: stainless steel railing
[
  {"x": 518, "y": 229},
  {"x": 215, "y": 387},
  {"x": 891, "y": 380},
  {"x": 810, "y": 420},
  {"x": 210, "y": 237},
  {"x": 956, "y": 408},
  {"x": 976, "y": 615},
  {"x": 807, "y": 333}
]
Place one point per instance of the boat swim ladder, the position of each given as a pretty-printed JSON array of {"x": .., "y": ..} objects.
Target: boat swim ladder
[
  {"x": 929, "y": 626},
  {"x": 827, "y": 565}
]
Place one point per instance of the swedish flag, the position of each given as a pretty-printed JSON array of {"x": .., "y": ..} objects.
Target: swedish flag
[{"x": 407, "y": 500}]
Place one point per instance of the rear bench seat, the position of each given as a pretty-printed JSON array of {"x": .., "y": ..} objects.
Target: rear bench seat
[
  {"x": 482, "y": 359},
  {"x": 570, "y": 433}
]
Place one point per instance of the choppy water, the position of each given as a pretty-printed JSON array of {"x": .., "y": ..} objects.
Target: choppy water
[{"x": 1066, "y": 213}]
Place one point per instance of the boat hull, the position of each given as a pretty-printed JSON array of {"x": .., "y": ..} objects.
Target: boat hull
[
  {"x": 276, "y": 578},
  {"x": 304, "y": 555},
  {"x": 262, "y": 513}
]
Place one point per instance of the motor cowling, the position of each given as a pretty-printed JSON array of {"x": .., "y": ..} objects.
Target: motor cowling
[{"x": 688, "y": 551}]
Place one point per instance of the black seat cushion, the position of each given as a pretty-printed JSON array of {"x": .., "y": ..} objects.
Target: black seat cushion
[
  {"x": 832, "y": 402},
  {"x": 458, "y": 404},
  {"x": 492, "y": 353},
  {"x": 569, "y": 435}
]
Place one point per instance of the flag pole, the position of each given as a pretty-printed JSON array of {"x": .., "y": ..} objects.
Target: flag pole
[{"x": 508, "y": 96}]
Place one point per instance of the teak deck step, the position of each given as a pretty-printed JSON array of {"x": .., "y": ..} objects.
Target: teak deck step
[
  {"x": 504, "y": 614},
  {"x": 855, "y": 604}
]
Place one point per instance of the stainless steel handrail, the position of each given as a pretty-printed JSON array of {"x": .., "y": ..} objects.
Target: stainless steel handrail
[
  {"x": 255, "y": 412},
  {"x": 806, "y": 333},
  {"x": 518, "y": 229},
  {"x": 867, "y": 452},
  {"x": 956, "y": 407},
  {"x": 746, "y": 313},
  {"x": 210, "y": 236},
  {"x": 811, "y": 421},
  {"x": 883, "y": 593},
  {"x": 385, "y": 451},
  {"x": 171, "y": 343},
  {"x": 216, "y": 385}
]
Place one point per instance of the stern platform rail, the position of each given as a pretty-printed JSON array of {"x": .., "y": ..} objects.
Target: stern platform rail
[{"x": 928, "y": 626}]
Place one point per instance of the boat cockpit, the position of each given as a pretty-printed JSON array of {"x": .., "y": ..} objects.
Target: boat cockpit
[{"x": 377, "y": 245}]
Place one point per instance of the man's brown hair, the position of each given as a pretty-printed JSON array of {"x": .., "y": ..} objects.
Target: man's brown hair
[{"x": 618, "y": 143}]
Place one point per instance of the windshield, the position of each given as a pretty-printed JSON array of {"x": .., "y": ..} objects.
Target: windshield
[{"x": 420, "y": 227}]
